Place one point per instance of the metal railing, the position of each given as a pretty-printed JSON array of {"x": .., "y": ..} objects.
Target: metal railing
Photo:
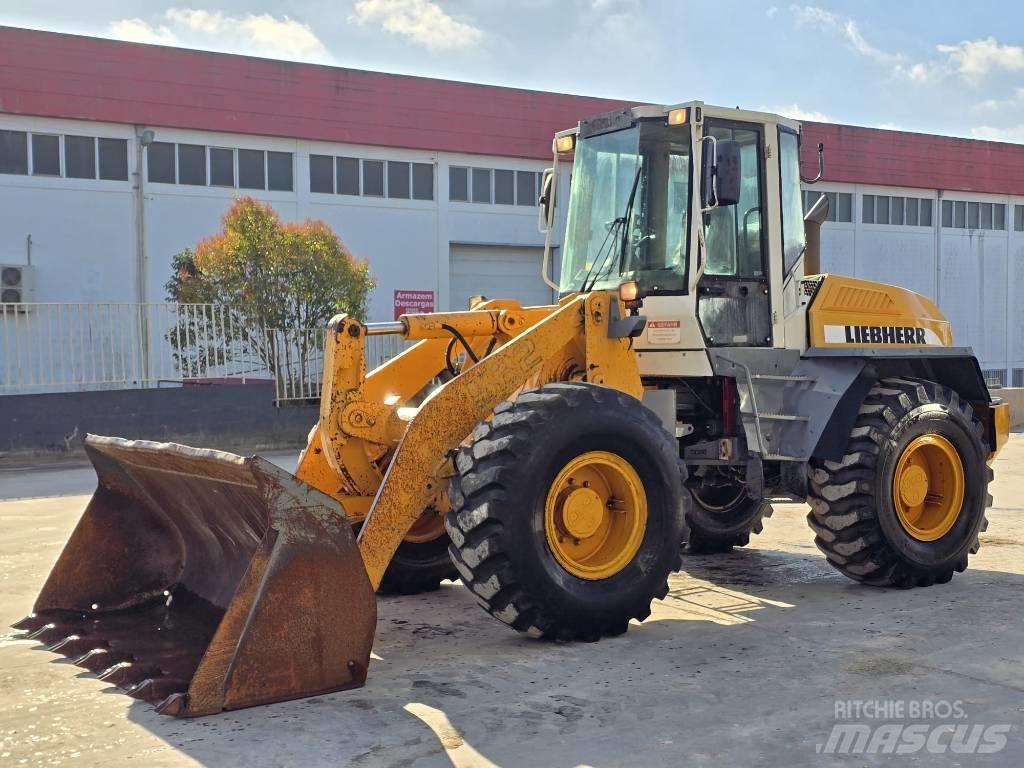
[{"x": 74, "y": 347}]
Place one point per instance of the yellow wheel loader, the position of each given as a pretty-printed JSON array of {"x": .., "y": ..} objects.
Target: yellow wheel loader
[{"x": 696, "y": 366}]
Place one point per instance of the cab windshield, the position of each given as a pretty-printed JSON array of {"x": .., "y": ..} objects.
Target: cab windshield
[{"x": 629, "y": 210}]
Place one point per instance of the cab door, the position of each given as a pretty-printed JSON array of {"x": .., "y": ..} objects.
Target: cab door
[{"x": 733, "y": 296}]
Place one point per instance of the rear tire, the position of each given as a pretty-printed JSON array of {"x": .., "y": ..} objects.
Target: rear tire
[
  {"x": 859, "y": 517},
  {"x": 723, "y": 517},
  {"x": 501, "y": 508},
  {"x": 418, "y": 566}
]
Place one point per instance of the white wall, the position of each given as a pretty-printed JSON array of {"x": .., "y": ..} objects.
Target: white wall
[
  {"x": 85, "y": 239},
  {"x": 83, "y": 232}
]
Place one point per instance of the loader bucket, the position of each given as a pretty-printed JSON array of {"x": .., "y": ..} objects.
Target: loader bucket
[{"x": 205, "y": 581}]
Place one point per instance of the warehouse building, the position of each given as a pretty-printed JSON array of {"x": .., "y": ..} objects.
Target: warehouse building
[{"x": 114, "y": 156}]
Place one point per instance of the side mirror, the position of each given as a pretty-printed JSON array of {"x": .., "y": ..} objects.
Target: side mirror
[
  {"x": 546, "y": 214},
  {"x": 720, "y": 173}
]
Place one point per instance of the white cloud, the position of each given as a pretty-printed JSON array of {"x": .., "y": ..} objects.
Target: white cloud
[
  {"x": 864, "y": 48},
  {"x": 771, "y": 11},
  {"x": 139, "y": 31},
  {"x": 810, "y": 15},
  {"x": 1016, "y": 99},
  {"x": 261, "y": 35},
  {"x": 1013, "y": 133},
  {"x": 422, "y": 21},
  {"x": 796, "y": 112},
  {"x": 973, "y": 58},
  {"x": 889, "y": 127}
]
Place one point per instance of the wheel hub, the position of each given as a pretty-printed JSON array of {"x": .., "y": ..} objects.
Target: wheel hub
[
  {"x": 582, "y": 512},
  {"x": 928, "y": 487},
  {"x": 595, "y": 515}
]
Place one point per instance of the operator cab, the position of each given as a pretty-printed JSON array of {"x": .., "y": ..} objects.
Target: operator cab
[{"x": 697, "y": 203}]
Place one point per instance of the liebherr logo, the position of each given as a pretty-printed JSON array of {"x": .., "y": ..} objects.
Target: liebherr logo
[{"x": 881, "y": 334}]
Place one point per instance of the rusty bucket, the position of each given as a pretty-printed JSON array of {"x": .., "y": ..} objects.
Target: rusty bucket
[{"x": 205, "y": 581}]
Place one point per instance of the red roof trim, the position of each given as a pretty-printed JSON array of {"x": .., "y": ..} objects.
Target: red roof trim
[{"x": 69, "y": 76}]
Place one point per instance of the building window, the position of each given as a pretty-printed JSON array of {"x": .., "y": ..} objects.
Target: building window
[
  {"x": 882, "y": 209},
  {"x": 422, "y": 181},
  {"x": 192, "y": 164},
  {"x": 1018, "y": 373},
  {"x": 113, "y": 159},
  {"x": 14, "y": 152},
  {"x": 960, "y": 214},
  {"x": 898, "y": 211},
  {"x": 481, "y": 185},
  {"x": 505, "y": 187},
  {"x": 279, "y": 171},
  {"x": 321, "y": 174},
  {"x": 1018, "y": 218},
  {"x": 222, "y": 167},
  {"x": 160, "y": 162},
  {"x": 348, "y": 176},
  {"x": 840, "y": 205},
  {"x": 994, "y": 377},
  {"x": 80, "y": 157},
  {"x": 526, "y": 188},
  {"x": 373, "y": 178},
  {"x": 45, "y": 155},
  {"x": 458, "y": 184},
  {"x": 252, "y": 173},
  {"x": 398, "y": 180}
]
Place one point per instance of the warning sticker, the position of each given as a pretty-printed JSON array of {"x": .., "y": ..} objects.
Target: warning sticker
[{"x": 663, "y": 331}]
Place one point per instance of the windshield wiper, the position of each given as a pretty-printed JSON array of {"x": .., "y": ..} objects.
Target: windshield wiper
[{"x": 623, "y": 222}]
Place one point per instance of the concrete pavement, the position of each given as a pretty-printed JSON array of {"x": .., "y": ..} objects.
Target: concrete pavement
[{"x": 745, "y": 663}]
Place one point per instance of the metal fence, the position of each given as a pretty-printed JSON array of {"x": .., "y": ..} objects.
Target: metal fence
[{"x": 59, "y": 347}]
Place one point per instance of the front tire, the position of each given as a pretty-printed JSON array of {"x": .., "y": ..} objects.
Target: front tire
[
  {"x": 905, "y": 505},
  {"x": 567, "y": 512}
]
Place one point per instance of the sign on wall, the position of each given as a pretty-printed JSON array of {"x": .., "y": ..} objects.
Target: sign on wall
[{"x": 413, "y": 302}]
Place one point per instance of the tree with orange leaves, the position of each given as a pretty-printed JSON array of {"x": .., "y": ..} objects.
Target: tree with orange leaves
[{"x": 279, "y": 282}]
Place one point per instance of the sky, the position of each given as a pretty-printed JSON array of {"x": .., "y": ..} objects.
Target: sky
[{"x": 931, "y": 66}]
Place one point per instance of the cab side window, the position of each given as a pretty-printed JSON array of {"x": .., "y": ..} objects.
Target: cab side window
[{"x": 733, "y": 237}]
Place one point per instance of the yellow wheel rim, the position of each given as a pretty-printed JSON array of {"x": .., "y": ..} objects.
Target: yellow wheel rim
[
  {"x": 595, "y": 515},
  {"x": 928, "y": 487},
  {"x": 428, "y": 526}
]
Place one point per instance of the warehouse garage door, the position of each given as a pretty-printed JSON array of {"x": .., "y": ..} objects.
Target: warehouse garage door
[{"x": 505, "y": 272}]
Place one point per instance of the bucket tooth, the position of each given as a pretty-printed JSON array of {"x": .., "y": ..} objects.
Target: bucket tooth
[
  {"x": 30, "y": 623},
  {"x": 129, "y": 673},
  {"x": 99, "y": 659},
  {"x": 49, "y": 634},
  {"x": 73, "y": 645},
  {"x": 156, "y": 689},
  {"x": 175, "y": 705}
]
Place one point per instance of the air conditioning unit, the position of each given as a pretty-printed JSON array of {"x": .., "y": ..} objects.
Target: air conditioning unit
[{"x": 16, "y": 285}]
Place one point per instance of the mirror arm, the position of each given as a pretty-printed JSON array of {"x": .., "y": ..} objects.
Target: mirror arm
[
  {"x": 821, "y": 166},
  {"x": 548, "y": 212}
]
